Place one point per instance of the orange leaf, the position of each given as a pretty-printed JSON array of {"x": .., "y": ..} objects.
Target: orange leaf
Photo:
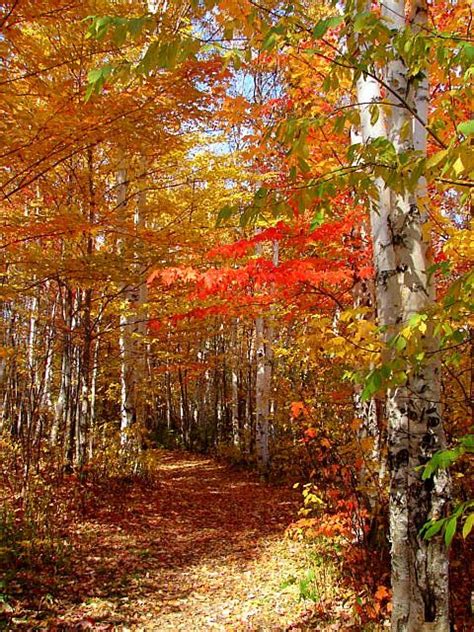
[
  {"x": 297, "y": 409},
  {"x": 382, "y": 593}
]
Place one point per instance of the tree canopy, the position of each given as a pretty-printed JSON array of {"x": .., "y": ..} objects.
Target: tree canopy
[{"x": 245, "y": 229}]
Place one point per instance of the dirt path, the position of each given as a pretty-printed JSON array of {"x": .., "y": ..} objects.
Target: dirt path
[{"x": 202, "y": 548}]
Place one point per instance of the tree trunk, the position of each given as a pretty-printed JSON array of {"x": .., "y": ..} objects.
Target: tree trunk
[
  {"x": 133, "y": 315},
  {"x": 235, "y": 368},
  {"x": 126, "y": 387},
  {"x": 264, "y": 357},
  {"x": 403, "y": 288}
]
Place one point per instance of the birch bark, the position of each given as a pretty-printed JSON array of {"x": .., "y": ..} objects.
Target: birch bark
[
  {"x": 235, "y": 383},
  {"x": 373, "y": 469},
  {"x": 264, "y": 357},
  {"x": 262, "y": 402},
  {"x": 404, "y": 288},
  {"x": 126, "y": 371},
  {"x": 132, "y": 319}
]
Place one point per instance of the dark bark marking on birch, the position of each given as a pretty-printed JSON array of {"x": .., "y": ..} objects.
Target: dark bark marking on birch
[
  {"x": 401, "y": 458},
  {"x": 430, "y": 606},
  {"x": 428, "y": 441},
  {"x": 433, "y": 421},
  {"x": 420, "y": 513},
  {"x": 429, "y": 483},
  {"x": 403, "y": 267},
  {"x": 412, "y": 414},
  {"x": 399, "y": 240}
]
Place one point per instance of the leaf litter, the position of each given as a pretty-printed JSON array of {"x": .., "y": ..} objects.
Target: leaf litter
[{"x": 200, "y": 546}]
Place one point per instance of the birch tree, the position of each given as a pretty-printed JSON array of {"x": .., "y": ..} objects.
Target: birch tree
[
  {"x": 264, "y": 334},
  {"x": 132, "y": 317},
  {"x": 404, "y": 289}
]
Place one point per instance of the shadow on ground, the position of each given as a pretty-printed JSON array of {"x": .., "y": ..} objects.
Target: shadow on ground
[{"x": 141, "y": 542}]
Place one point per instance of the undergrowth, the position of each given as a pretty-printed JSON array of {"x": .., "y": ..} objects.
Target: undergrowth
[{"x": 39, "y": 501}]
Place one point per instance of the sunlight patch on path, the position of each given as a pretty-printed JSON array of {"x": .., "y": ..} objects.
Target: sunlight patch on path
[{"x": 200, "y": 547}]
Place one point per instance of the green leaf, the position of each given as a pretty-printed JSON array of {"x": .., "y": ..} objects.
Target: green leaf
[
  {"x": 260, "y": 196},
  {"x": 468, "y": 525},
  {"x": 228, "y": 32},
  {"x": 372, "y": 384},
  {"x": 149, "y": 59},
  {"x": 430, "y": 469},
  {"x": 468, "y": 51},
  {"x": 135, "y": 25},
  {"x": 250, "y": 215},
  {"x": 303, "y": 165},
  {"x": 468, "y": 442},
  {"x": 288, "y": 582},
  {"x": 339, "y": 124},
  {"x": 100, "y": 26},
  {"x": 324, "y": 25},
  {"x": 96, "y": 80},
  {"x": 120, "y": 34},
  {"x": 450, "y": 530},
  {"x": 361, "y": 20},
  {"x": 270, "y": 40},
  {"x": 327, "y": 84},
  {"x": 89, "y": 92},
  {"x": 374, "y": 114},
  {"x": 400, "y": 343},
  {"x": 431, "y": 528},
  {"x": 466, "y": 128},
  {"x": 224, "y": 214},
  {"x": 415, "y": 320},
  {"x": 441, "y": 460},
  {"x": 443, "y": 267},
  {"x": 317, "y": 220},
  {"x": 94, "y": 75}
]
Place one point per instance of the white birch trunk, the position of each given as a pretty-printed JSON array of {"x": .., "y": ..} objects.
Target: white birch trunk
[
  {"x": 133, "y": 317},
  {"x": 262, "y": 400},
  {"x": 235, "y": 384},
  {"x": 372, "y": 471},
  {"x": 125, "y": 342},
  {"x": 60, "y": 404},
  {"x": 139, "y": 343},
  {"x": 47, "y": 400},
  {"x": 33, "y": 309},
  {"x": 403, "y": 288},
  {"x": 93, "y": 396},
  {"x": 264, "y": 359}
]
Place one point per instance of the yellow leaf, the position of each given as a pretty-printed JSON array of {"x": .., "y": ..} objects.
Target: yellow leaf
[{"x": 458, "y": 166}]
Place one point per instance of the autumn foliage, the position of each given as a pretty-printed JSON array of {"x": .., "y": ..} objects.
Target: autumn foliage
[{"x": 188, "y": 263}]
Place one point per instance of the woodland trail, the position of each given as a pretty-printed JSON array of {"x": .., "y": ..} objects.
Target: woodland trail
[{"x": 201, "y": 548}]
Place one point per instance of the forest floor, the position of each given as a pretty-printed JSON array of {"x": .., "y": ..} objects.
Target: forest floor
[
  {"x": 195, "y": 546},
  {"x": 201, "y": 546}
]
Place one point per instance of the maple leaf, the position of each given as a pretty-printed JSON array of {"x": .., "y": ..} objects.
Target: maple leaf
[
  {"x": 297, "y": 409},
  {"x": 382, "y": 593}
]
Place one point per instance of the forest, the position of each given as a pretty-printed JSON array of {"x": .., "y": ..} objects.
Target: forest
[{"x": 236, "y": 289}]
